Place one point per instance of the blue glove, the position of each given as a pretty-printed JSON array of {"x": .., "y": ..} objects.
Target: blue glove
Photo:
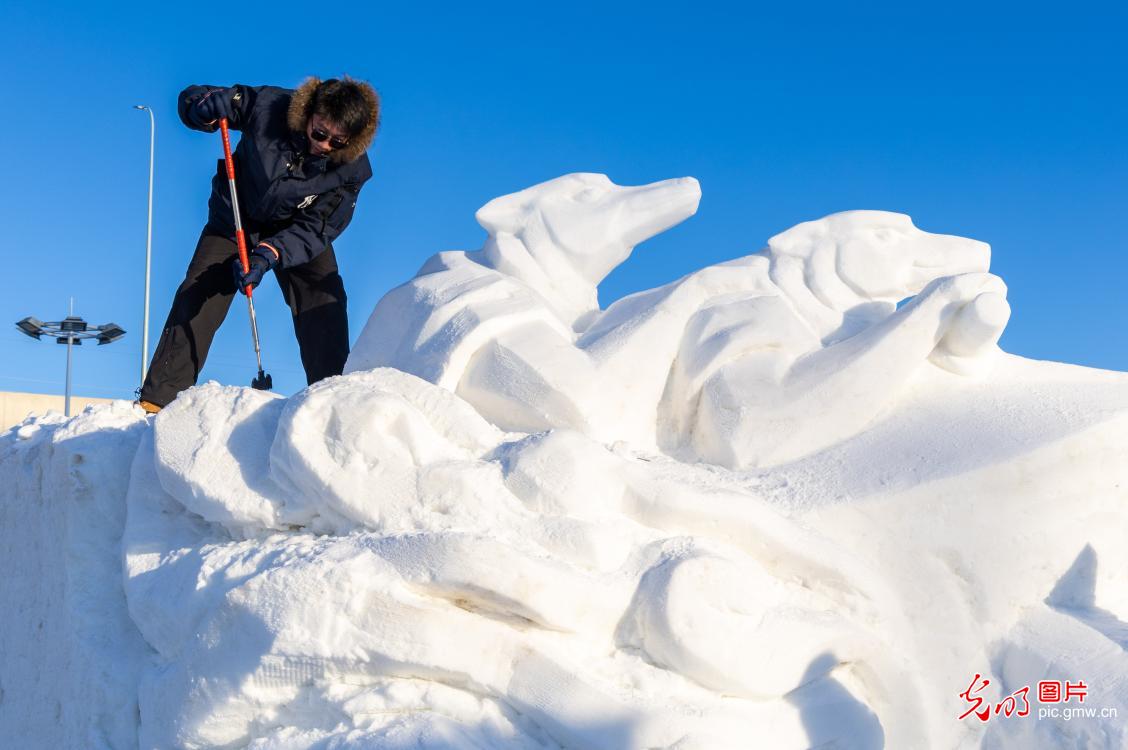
[
  {"x": 260, "y": 261},
  {"x": 214, "y": 105}
]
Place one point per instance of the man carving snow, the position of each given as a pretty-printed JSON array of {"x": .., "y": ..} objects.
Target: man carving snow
[{"x": 300, "y": 164}]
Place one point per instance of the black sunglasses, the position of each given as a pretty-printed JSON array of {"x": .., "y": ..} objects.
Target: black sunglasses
[{"x": 321, "y": 136}]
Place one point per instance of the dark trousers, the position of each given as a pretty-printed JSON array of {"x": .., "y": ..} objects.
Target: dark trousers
[{"x": 314, "y": 291}]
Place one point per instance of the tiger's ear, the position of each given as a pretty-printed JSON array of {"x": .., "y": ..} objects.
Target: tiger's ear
[{"x": 505, "y": 214}]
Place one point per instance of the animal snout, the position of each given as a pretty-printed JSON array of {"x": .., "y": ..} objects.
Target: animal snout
[
  {"x": 656, "y": 207},
  {"x": 948, "y": 255}
]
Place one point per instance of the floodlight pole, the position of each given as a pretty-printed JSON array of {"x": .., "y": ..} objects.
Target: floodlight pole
[
  {"x": 148, "y": 244},
  {"x": 70, "y": 342},
  {"x": 72, "y": 329},
  {"x": 66, "y": 401}
]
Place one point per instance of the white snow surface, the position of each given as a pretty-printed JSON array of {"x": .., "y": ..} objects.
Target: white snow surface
[{"x": 764, "y": 505}]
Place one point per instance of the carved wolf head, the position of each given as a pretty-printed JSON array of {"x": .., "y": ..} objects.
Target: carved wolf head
[
  {"x": 873, "y": 255},
  {"x": 588, "y": 222}
]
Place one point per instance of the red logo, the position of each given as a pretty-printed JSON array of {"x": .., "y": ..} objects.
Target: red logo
[
  {"x": 1010, "y": 703},
  {"x": 970, "y": 696},
  {"x": 1078, "y": 691},
  {"x": 1017, "y": 703}
]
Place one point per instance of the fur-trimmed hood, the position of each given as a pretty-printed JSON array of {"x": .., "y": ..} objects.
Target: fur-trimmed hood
[{"x": 301, "y": 107}]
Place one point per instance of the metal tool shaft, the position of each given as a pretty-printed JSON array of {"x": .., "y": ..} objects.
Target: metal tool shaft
[{"x": 240, "y": 237}]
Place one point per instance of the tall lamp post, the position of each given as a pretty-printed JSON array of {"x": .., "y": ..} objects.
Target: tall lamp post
[
  {"x": 71, "y": 331},
  {"x": 148, "y": 243}
]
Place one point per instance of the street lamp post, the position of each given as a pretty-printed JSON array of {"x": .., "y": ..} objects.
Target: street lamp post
[
  {"x": 71, "y": 331},
  {"x": 148, "y": 243}
]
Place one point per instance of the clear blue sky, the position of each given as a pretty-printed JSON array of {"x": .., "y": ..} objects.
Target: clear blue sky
[{"x": 1007, "y": 124}]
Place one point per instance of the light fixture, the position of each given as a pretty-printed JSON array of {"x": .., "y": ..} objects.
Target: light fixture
[{"x": 71, "y": 330}]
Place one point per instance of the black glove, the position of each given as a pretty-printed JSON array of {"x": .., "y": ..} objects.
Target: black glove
[
  {"x": 214, "y": 105},
  {"x": 260, "y": 260}
]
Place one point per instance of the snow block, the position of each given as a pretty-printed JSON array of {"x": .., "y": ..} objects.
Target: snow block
[{"x": 70, "y": 656}]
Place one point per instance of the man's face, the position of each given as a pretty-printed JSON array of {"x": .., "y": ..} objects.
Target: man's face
[{"x": 323, "y": 127}]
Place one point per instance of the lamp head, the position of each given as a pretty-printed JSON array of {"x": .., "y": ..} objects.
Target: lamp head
[
  {"x": 109, "y": 333},
  {"x": 31, "y": 326}
]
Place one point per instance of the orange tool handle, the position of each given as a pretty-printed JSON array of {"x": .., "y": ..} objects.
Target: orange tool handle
[{"x": 240, "y": 238}]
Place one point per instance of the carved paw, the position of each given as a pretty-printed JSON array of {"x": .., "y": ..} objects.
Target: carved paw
[
  {"x": 971, "y": 341},
  {"x": 965, "y": 287}
]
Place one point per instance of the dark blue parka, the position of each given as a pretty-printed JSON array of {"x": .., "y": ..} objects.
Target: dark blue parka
[{"x": 292, "y": 201}]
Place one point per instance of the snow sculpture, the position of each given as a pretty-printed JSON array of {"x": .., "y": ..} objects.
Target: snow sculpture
[
  {"x": 480, "y": 588},
  {"x": 500, "y": 326},
  {"x": 519, "y": 546},
  {"x": 540, "y": 573},
  {"x": 753, "y": 362},
  {"x": 780, "y": 374}
]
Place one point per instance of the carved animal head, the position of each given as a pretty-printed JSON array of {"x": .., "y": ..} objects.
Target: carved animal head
[
  {"x": 873, "y": 255},
  {"x": 588, "y": 222}
]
